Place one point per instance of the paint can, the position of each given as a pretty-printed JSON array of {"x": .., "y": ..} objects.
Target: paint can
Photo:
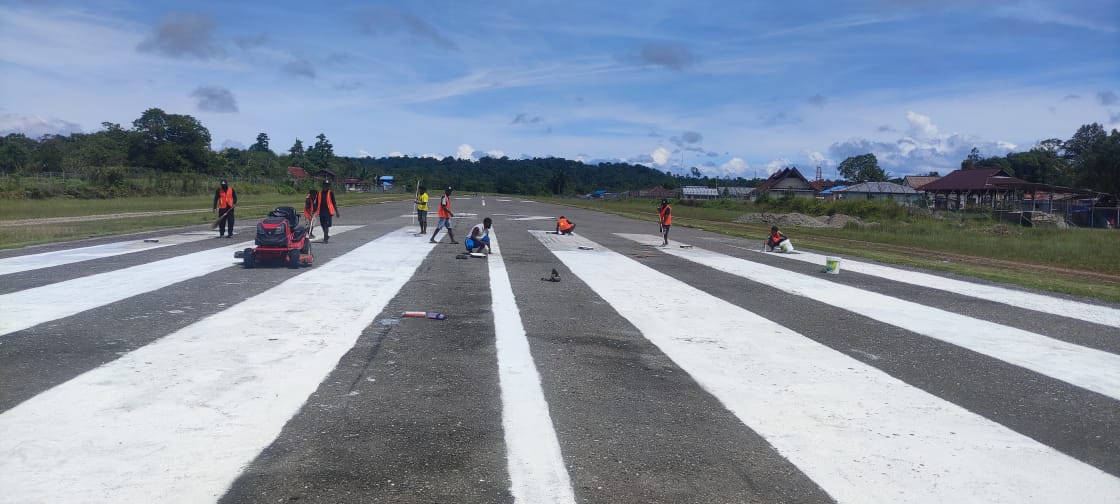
[
  {"x": 832, "y": 265},
  {"x": 786, "y": 245}
]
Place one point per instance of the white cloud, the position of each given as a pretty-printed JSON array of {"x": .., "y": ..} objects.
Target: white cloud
[
  {"x": 734, "y": 167},
  {"x": 818, "y": 159},
  {"x": 395, "y": 154},
  {"x": 660, "y": 156},
  {"x": 34, "y": 126},
  {"x": 776, "y": 165},
  {"x": 362, "y": 153},
  {"x": 921, "y": 126},
  {"x": 465, "y": 152},
  {"x": 495, "y": 153}
]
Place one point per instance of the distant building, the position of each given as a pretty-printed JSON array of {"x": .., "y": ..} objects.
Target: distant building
[
  {"x": 739, "y": 193},
  {"x": 984, "y": 186},
  {"x": 787, "y": 181},
  {"x": 699, "y": 193},
  {"x": 879, "y": 191},
  {"x": 655, "y": 193},
  {"x": 353, "y": 184},
  {"x": 916, "y": 181},
  {"x": 298, "y": 173}
]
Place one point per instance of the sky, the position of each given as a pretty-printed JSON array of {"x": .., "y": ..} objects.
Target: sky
[{"x": 733, "y": 88}]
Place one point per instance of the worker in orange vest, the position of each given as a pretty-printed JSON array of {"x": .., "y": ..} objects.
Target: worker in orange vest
[
  {"x": 225, "y": 199},
  {"x": 564, "y": 226},
  {"x": 445, "y": 215},
  {"x": 327, "y": 208},
  {"x": 665, "y": 216},
  {"x": 775, "y": 239}
]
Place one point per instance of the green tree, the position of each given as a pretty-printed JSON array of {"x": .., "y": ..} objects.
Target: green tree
[
  {"x": 296, "y": 155},
  {"x": 1098, "y": 164},
  {"x": 16, "y": 151},
  {"x": 320, "y": 155},
  {"x": 171, "y": 142},
  {"x": 261, "y": 145},
  {"x": 862, "y": 168}
]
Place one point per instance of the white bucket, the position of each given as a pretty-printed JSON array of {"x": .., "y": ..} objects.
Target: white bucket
[
  {"x": 786, "y": 245},
  {"x": 832, "y": 265}
]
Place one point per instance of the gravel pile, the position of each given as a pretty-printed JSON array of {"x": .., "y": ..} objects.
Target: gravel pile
[{"x": 797, "y": 220}]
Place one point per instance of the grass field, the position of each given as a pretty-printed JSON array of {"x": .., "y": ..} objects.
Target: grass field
[
  {"x": 129, "y": 215},
  {"x": 1081, "y": 262}
]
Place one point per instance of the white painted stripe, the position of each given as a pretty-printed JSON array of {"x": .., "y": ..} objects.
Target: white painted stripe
[
  {"x": 1084, "y": 367},
  {"x": 179, "y": 419},
  {"x": 31, "y": 307},
  {"x": 69, "y": 256},
  {"x": 862, "y": 435},
  {"x": 536, "y": 465},
  {"x": 1041, "y": 303}
]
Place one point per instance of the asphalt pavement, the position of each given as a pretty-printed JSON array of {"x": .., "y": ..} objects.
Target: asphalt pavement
[{"x": 705, "y": 372}]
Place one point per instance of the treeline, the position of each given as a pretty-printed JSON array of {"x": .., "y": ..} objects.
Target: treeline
[
  {"x": 178, "y": 146},
  {"x": 176, "y": 149}
]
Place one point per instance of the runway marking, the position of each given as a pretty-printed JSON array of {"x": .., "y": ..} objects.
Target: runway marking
[
  {"x": 536, "y": 465},
  {"x": 31, "y": 307},
  {"x": 1084, "y": 367},
  {"x": 859, "y": 433},
  {"x": 1037, "y": 302},
  {"x": 178, "y": 420},
  {"x": 69, "y": 256}
]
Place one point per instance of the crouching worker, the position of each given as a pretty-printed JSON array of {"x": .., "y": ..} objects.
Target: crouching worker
[
  {"x": 775, "y": 239},
  {"x": 480, "y": 237},
  {"x": 564, "y": 226}
]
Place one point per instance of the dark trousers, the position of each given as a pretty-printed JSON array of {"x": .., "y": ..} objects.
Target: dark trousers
[
  {"x": 226, "y": 222},
  {"x": 325, "y": 224}
]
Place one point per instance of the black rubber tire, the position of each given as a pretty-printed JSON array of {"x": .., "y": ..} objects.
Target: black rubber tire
[
  {"x": 293, "y": 258},
  {"x": 247, "y": 259}
]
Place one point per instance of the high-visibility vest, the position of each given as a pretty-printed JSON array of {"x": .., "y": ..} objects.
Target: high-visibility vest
[
  {"x": 564, "y": 224},
  {"x": 311, "y": 206},
  {"x": 225, "y": 197},
  {"x": 444, "y": 207},
  {"x": 666, "y": 215},
  {"x": 324, "y": 197}
]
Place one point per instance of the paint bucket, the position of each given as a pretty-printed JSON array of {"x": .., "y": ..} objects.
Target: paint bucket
[
  {"x": 832, "y": 265},
  {"x": 786, "y": 245}
]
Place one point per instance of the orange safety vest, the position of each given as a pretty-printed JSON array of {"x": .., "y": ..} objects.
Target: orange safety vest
[
  {"x": 225, "y": 197},
  {"x": 666, "y": 215},
  {"x": 564, "y": 224},
  {"x": 444, "y": 207},
  {"x": 310, "y": 206},
  {"x": 324, "y": 199},
  {"x": 776, "y": 237}
]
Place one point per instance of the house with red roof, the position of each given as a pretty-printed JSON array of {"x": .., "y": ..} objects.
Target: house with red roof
[
  {"x": 983, "y": 186},
  {"x": 787, "y": 181}
]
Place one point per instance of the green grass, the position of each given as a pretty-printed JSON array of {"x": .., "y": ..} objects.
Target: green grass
[
  {"x": 196, "y": 211},
  {"x": 1081, "y": 262}
]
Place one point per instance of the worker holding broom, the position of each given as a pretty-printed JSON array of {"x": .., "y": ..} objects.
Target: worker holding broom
[
  {"x": 225, "y": 198},
  {"x": 665, "y": 216}
]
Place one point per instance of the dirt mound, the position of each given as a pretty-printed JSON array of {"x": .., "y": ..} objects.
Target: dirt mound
[{"x": 797, "y": 220}]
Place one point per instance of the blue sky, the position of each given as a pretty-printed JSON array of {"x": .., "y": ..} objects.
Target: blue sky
[{"x": 733, "y": 88}]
